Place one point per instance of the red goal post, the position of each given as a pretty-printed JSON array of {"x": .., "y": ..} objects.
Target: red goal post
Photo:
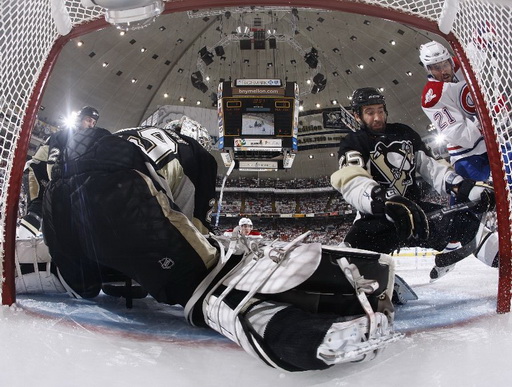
[{"x": 481, "y": 36}]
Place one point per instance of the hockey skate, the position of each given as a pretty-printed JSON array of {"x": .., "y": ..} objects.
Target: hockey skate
[{"x": 484, "y": 246}]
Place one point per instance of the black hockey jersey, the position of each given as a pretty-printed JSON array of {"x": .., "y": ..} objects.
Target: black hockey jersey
[
  {"x": 189, "y": 170},
  {"x": 391, "y": 160},
  {"x": 106, "y": 208}
]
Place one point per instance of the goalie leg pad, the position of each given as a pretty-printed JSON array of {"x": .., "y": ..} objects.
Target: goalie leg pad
[
  {"x": 371, "y": 265},
  {"x": 38, "y": 282},
  {"x": 33, "y": 268},
  {"x": 488, "y": 246},
  {"x": 267, "y": 269},
  {"x": 285, "y": 337},
  {"x": 222, "y": 316}
]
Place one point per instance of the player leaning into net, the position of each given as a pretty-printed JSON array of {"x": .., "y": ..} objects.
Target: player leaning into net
[
  {"x": 111, "y": 205},
  {"x": 377, "y": 175},
  {"x": 447, "y": 102}
]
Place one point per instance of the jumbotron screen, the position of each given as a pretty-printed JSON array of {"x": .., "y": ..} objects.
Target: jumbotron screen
[
  {"x": 258, "y": 111},
  {"x": 258, "y": 120}
]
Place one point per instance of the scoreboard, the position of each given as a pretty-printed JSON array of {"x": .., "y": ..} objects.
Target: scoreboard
[{"x": 258, "y": 123}]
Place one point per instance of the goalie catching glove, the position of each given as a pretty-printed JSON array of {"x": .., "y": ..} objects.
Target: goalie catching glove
[
  {"x": 476, "y": 192},
  {"x": 409, "y": 219}
]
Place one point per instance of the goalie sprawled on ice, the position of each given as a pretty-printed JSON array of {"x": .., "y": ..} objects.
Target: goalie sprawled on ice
[{"x": 137, "y": 203}]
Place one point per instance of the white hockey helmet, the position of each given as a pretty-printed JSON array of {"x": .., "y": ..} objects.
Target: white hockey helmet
[
  {"x": 245, "y": 221},
  {"x": 432, "y": 53},
  {"x": 190, "y": 128}
]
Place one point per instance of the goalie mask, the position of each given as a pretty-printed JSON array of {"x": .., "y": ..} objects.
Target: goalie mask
[{"x": 193, "y": 129}]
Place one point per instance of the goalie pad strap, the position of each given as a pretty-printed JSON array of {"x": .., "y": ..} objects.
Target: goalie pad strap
[{"x": 362, "y": 288}]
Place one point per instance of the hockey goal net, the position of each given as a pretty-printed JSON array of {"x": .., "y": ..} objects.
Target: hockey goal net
[{"x": 479, "y": 31}]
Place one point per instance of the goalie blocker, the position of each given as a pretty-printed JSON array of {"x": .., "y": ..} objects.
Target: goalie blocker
[{"x": 298, "y": 306}]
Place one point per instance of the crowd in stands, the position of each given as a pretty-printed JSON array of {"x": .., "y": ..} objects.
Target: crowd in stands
[
  {"x": 286, "y": 215},
  {"x": 271, "y": 203},
  {"x": 253, "y": 182},
  {"x": 328, "y": 231},
  {"x": 42, "y": 128}
]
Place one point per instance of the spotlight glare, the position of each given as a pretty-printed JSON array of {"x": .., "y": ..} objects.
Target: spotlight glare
[
  {"x": 440, "y": 139},
  {"x": 70, "y": 121}
]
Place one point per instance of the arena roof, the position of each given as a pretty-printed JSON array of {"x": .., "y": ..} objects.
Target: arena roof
[{"x": 128, "y": 76}]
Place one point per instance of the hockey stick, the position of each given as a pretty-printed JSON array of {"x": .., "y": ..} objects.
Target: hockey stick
[
  {"x": 439, "y": 214},
  {"x": 452, "y": 257},
  {"x": 219, "y": 205}
]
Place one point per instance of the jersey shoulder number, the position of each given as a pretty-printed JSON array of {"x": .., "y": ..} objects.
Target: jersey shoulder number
[
  {"x": 155, "y": 143},
  {"x": 351, "y": 158}
]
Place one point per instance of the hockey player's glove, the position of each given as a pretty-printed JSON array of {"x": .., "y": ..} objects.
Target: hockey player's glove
[
  {"x": 476, "y": 192},
  {"x": 409, "y": 219}
]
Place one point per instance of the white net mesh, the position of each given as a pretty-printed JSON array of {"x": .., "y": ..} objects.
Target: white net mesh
[{"x": 28, "y": 33}]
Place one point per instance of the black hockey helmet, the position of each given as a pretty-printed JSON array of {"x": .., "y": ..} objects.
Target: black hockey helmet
[
  {"x": 366, "y": 96},
  {"x": 89, "y": 111}
]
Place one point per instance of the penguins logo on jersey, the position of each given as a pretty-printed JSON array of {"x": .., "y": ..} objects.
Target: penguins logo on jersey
[{"x": 393, "y": 166}]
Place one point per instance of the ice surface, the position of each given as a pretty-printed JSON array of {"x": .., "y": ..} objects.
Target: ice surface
[{"x": 453, "y": 338}]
